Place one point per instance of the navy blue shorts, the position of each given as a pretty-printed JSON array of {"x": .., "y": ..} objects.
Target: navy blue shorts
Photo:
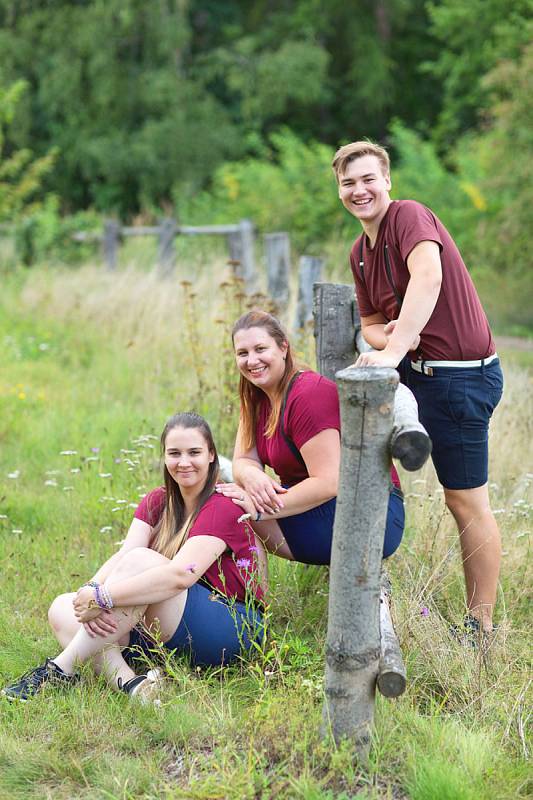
[
  {"x": 212, "y": 631},
  {"x": 309, "y": 535},
  {"x": 455, "y": 407}
]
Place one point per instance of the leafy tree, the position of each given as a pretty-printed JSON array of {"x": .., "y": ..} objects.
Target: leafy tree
[
  {"x": 110, "y": 89},
  {"x": 343, "y": 68},
  {"x": 21, "y": 175},
  {"x": 456, "y": 196},
  {"x": 291, "y": 187},
  {"x": 505, "y": 151},
  {"x": 473, "y": 38}
]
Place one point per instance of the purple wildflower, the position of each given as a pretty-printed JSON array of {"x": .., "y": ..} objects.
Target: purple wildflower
[
  {"x": 424, "y": 612},
  {"x": 243, "y": 562},
  {"x": 95, "y": 449},
  {"x": 253, "y": 548}
]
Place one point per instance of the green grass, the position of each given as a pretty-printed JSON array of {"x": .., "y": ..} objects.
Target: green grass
[{"x": 120, "y": 354}]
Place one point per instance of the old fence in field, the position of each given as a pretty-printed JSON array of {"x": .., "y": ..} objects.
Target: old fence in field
[
  {"x": 240, "y": 238},
  {"x": 379, "y": 419}
]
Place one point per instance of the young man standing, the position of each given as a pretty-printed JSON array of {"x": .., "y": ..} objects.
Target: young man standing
[{"x": 416, "y": 299}]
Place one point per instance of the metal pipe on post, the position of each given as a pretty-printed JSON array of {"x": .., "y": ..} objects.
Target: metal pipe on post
[
  {"x": 278, "y": 264},
  {"x": 353, "y": 640},
  {"x": 166, "y": 253},
  {"x": 110, "y": 243}
]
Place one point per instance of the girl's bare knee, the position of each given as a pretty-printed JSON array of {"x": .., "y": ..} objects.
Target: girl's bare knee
[{"x": 59, "y": 607}]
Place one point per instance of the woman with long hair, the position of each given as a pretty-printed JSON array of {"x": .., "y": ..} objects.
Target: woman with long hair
[
  {"x": 189, "y": 570},
  {"x": 290, "y": 421}
]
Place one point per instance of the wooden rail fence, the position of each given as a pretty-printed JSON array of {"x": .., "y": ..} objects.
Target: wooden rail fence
[{"x": 240, "y": 239}]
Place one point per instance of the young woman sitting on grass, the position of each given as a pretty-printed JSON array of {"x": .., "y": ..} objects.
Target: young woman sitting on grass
[
  {"x": 290, "y": 421},
  {"x": 188, "y": 569}
]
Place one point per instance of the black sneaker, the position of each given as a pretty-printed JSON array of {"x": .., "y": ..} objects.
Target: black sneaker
[
  {"x": 144, "y": 688},
  {"x": 471, "y": 634},
  {"x": 34, "y": 680}
]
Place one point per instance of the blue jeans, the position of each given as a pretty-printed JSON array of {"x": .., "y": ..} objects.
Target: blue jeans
[
  {"x": 212, "y": 631},
  {"x": 309, "y": 535},
  {"x": 455, "y": 407}
]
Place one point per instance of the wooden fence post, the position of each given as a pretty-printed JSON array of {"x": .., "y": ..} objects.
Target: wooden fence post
[
  {"x": 278, "y": 264},
  {"x": 336, "y": 319},
  {"x": 241, "y": 251},
  {"x": 309, "y": 272},
  {"x": 353, "y": 640},
  {"x": 333, "y": 309},
  {"x": 166, "y": 253},
  {"x": 110, "y": 243}
]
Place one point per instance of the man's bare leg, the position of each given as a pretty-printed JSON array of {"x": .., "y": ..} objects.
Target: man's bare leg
[{"x": 481, "y": 549}]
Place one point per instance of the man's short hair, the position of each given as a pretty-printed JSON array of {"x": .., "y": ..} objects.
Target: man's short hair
[{"x": 349, "y": 152}]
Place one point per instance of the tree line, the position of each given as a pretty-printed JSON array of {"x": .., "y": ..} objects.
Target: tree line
[{"x": 129, "y": 106}]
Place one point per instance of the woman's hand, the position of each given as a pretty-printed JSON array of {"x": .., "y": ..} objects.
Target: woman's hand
[
  {"x": 238, "y": 496},
  {"x": 103, "y": 625},
  {"x": 85, "y": 605},
  {"x": 263, "y": 491}
]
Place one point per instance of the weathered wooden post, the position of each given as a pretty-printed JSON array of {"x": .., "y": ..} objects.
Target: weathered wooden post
[
  {"x": 278, "y": 264},
  {"x": 353, "y": 642},
  {"x": 110, "y": 243},
  {"x": 166, "y": 252},
  {"x": 338, "y": 342},
  {"x": 241, "y": 250},
  {"x": 336, "y": 320},
  {"x": 392, "y": 676},
  {"x": 333, "y": 313},
  {"x": 309, "y": 272}
]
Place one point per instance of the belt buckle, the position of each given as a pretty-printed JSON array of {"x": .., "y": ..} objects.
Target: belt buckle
[{"x": 427, "y": 370}]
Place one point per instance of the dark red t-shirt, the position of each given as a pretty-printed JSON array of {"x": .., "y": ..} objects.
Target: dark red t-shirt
[
  {"x": 235, "y": 572},
  {"x": 458, "y": 329},
  {"x": 312, "y": 406}
]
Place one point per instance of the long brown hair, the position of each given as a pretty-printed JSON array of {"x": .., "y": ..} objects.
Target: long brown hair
[
  {"x": 250, "y": 395},
  {"x": 171, "y": 531}
]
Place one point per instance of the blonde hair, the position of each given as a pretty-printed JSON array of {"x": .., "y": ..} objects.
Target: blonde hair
[
  {"x": 350, "y": 152},
  {"x": 250, "y": 395}
]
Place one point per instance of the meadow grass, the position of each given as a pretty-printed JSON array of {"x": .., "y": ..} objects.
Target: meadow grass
[{"x": 93, "y": 363}]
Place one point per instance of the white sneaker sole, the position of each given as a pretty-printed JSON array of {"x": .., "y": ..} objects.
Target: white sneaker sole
[{"x": 148, "y": 691}]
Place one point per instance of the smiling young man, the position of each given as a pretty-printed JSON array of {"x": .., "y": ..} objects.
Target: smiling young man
[{"x": 419, "y": 309}]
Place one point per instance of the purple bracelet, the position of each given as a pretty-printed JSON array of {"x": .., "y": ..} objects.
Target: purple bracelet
[{"x": 98, "y": 596}]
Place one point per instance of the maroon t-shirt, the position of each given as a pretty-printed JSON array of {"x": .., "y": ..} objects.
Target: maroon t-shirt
[
  {"x": 312, "y": 406},
  {"x": 458, "y": 329},
  {"x": 235, "y": 572}
]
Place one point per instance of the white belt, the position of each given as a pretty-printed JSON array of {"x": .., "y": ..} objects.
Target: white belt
[{"x": 426, "y": 367}]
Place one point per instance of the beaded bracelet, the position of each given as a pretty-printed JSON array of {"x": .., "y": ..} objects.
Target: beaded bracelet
[
  {"x": 107, "y": 597},
  {"x": 102, "y": 596}
]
